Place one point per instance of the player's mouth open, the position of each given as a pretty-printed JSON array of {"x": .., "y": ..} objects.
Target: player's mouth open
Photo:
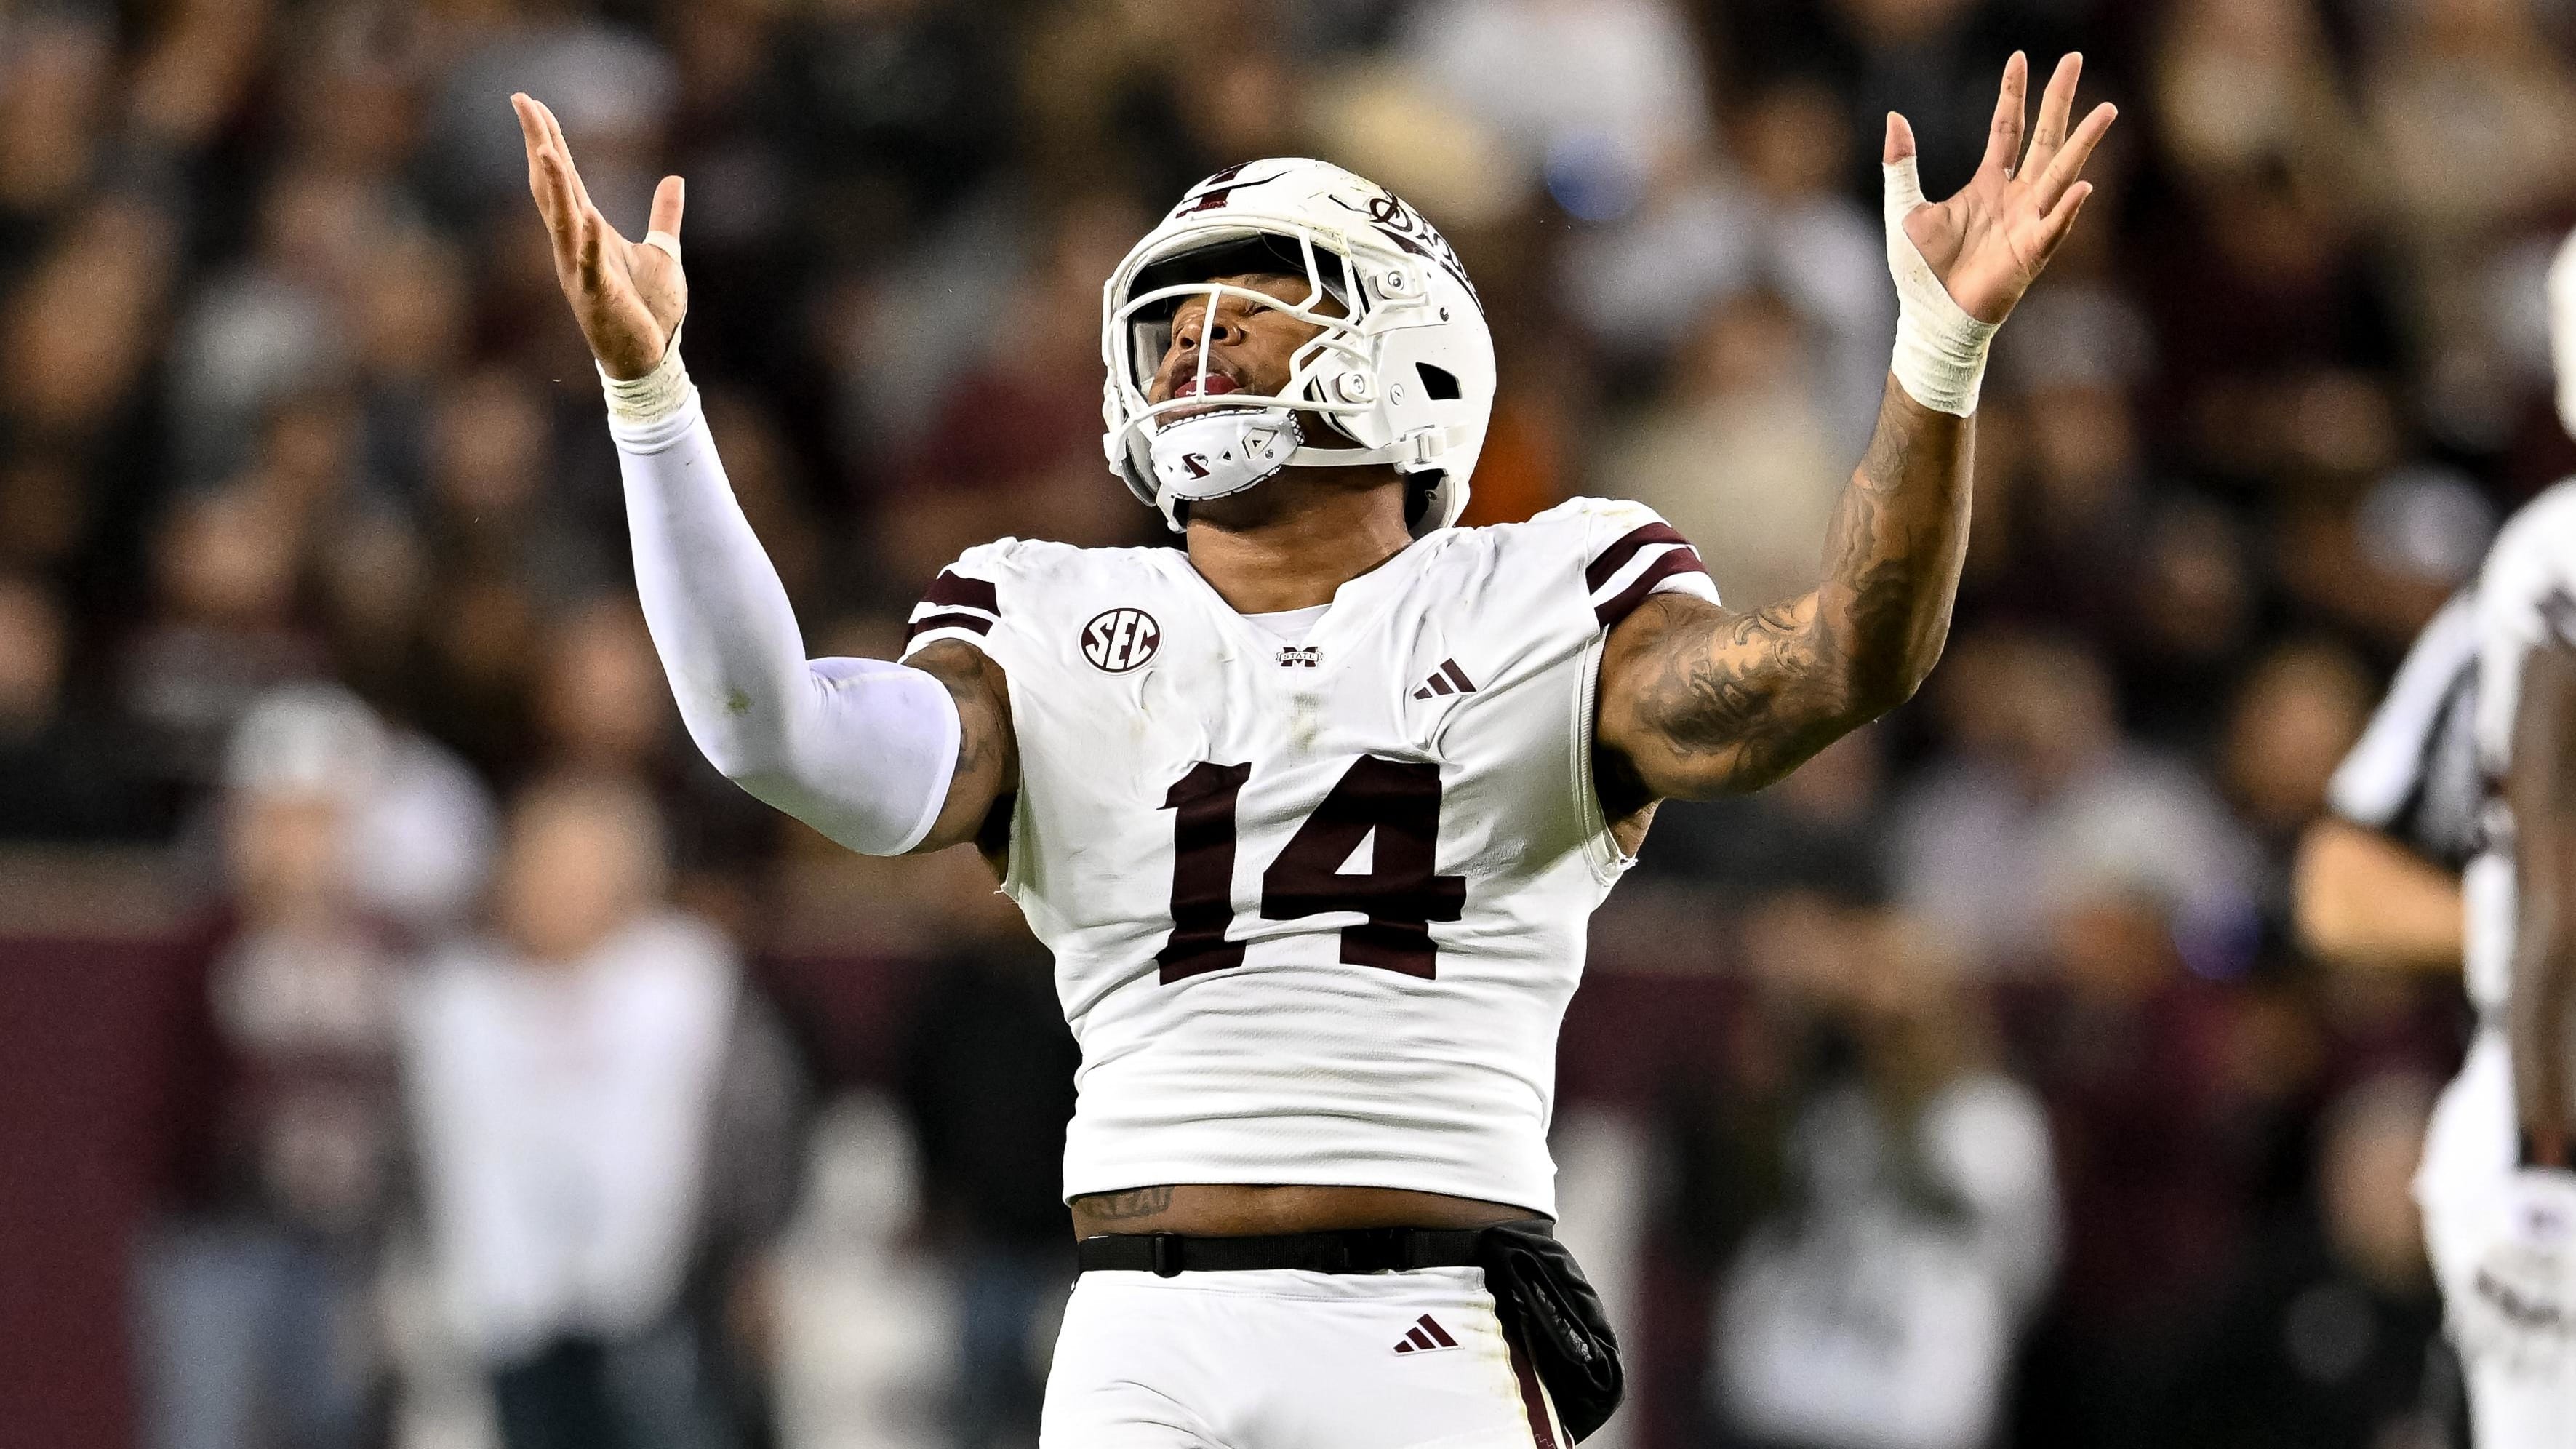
[{"x": 1216, "y": 385}]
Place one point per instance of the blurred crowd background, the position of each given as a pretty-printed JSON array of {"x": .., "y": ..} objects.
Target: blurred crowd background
[{"x": 405, "y": 1039}]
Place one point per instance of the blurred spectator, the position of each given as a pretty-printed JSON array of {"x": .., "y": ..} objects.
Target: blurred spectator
[
  {"x": 606, "y": 1120},
  {"x": 2324, "y": 1341},
  {"x": 1598, "y": 99},
  {"x": 273, "y": 323},
  {"x": 52, "y": 104},
  {"x": 2290, "y": 726},
  {"x": 972, "y": 480},
  {"x": 1931, "y": 59},
  {"x": 1747, "y": 394},
  {"x": 81, "y": 327},
  {"x": 1816, "y": 831},
  {"x": 610, "y": 87},
  {"x": 62, "y": 777},
  {"x": 2474, "y": 114},
  {"x": 256, "y": 1324},
  {"x": 2164, "y": 1100},
  {"x": 225, "y": 631},
  {"x": 1878, "y": 1304},
  {"x": 2044, "y": 811},
  {"x": 2189, "y": 619},
  {"x": 888, "y": 112},
  {"x": 2244, "y": 82},
  {"x": 868, "y": 1330},
  {"x": 988, "y": 1082},
  {"x": 1776, "y": 221},
  {"x": 603, "y": 707},
  {"x": 2074, "y": 506}
]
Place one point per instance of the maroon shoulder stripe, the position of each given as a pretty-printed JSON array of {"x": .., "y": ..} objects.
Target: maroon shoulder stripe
[
  {"x": 960, "y": 592},
  {"x": 1683, "y": 560},
  {"x": 1616, "y": 556},
  {"x": 975, "y": 623}
]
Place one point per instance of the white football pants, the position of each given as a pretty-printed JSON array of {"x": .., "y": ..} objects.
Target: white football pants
[
  {"x": 1290, "y": 1360},
  {"x": 2469, "y": 1153}
]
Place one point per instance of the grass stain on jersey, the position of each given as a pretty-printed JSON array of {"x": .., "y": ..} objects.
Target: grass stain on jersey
[
  {"x": 1305, "y": 721},
  {"x": 736, "y": 702}
]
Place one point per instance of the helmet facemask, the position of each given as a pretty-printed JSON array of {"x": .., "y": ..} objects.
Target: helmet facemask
[
  {"x": 1203, "y": 446},
  {"x": 1399, "y": 371}
]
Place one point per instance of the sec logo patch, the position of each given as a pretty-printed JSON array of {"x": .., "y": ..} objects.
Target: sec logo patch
[{"x": 1118, "y": 640}]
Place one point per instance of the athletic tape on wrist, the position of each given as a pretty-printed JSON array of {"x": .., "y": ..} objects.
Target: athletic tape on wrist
[
  {"x": 654, "y": 396},
  {"x": 1940, "y": 350}
]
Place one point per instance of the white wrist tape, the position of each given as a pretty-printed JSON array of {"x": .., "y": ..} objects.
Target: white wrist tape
[
  {"x": 653, "y": 397},
  {"x": 1940, "y": 349}
]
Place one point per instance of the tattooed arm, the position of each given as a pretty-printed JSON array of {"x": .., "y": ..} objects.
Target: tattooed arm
[
  {"x": 1696, "y": 700},
  {"x": 988, "y": 757}
]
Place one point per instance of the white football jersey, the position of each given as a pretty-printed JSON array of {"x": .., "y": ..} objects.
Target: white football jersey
[
  {"x": 1316, "y": 907},
  {"x": 2413, "y": 775},
  {"x": 2526, "y": 598}
]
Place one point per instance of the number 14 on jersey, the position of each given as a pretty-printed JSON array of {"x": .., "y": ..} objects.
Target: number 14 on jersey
[{"x": 1397, "y": 799}]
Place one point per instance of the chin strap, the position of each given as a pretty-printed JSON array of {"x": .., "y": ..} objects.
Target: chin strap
[{"x": 1415, "y": 452}]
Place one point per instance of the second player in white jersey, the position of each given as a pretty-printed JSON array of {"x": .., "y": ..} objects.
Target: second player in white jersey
[
  {"x": 1317, "y": 900},
  {"x": 2499, "y": 1222}
]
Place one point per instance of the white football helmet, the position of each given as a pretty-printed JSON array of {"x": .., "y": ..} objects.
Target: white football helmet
[{"x": 1404, "y": 376}]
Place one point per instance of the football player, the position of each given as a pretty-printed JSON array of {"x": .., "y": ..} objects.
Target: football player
[
  {"x": 1312, "y": 813},
  {"x": 2471, "y": 764},
  {"x": 2378, "y": 877}
]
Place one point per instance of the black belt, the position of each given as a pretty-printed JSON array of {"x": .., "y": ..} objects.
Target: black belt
[{"x": 1351, "y": 1250}]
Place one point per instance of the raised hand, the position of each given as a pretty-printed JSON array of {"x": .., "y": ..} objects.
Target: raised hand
[
  {"x": 628, "y": 296},
  {"x": 1988, "y": 243}
]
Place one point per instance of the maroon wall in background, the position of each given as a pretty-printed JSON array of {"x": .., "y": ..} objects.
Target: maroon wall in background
[
  {"x": 85, "y": 1030},
  {"x": 91, "y": 1033}
]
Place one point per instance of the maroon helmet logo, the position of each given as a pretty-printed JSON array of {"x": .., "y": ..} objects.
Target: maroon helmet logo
[{"x": 1118, "y": 640}]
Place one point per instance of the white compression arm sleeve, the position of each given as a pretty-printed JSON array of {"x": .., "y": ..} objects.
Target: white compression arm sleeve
[{"x": 860, "y": 749}]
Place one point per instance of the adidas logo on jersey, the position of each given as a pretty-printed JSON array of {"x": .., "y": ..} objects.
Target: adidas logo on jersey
[
  {"x": 1447, "y": 679},
  {"x": 1426, "y": 1336}
]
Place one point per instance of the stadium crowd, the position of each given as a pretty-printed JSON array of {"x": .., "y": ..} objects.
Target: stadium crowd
[{"x": 1968, "y": 1088}]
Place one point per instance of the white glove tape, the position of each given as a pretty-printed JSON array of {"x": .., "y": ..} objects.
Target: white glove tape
[
  {"x": 1940, "y": 349},
  {"x": 654, "y": 396}
]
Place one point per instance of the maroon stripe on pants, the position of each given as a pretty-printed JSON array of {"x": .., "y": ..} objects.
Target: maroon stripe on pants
[{"x": 1533, "y": 1398}]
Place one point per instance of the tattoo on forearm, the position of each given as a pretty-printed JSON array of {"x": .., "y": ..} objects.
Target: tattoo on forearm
[
  {"x": 1739, "y": 699},
  {"x": 1138, "y": 1202},
  {"x": 985, "y": 761}
]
